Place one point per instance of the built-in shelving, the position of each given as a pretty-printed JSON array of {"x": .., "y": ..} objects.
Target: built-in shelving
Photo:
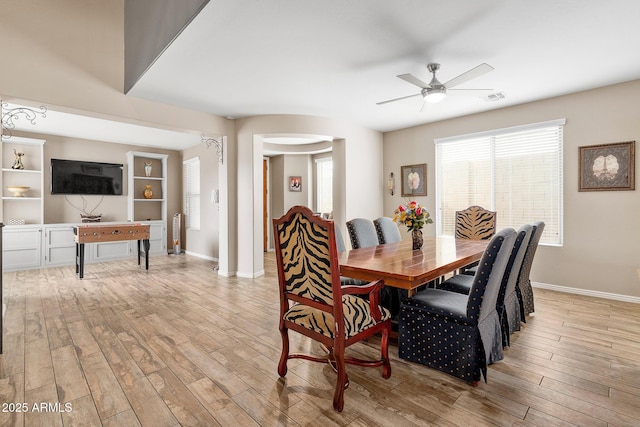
[
  {"x": 154, "y": 210},
  {"x": 139, "y": 207},
  {"x": 28, "y": 208}
]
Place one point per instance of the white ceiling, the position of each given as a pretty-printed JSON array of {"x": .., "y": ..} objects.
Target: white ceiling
[{"x": 339, "y": 58}]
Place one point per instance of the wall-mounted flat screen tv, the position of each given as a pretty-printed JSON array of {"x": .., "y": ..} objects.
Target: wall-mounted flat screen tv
[{"x": 79, "y": 177}]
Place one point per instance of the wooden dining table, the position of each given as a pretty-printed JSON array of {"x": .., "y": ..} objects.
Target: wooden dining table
[{"x": 401, "y": 267}]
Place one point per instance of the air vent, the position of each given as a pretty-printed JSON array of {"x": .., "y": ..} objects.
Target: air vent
[{"x": 498, "y": 96}]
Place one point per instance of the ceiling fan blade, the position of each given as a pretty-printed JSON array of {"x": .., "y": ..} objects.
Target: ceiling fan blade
[
  {"x": 398, "y": 99},
  {"x": 472, "y": 92},
  {"x": 471, "y": 74},
  {"x": 410, "y": 78}
]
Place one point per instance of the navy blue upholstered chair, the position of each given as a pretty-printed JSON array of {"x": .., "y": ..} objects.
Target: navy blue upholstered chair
[
  {"x": 346, "y": 281},
  {"x": 507, "y": 305},
  {"x": 456, "y": 333},
  {"x": 339, "y": 240},
  {"x": 524, "y": 289},
  {"x": 362, "y": 233},
  {"x": 387, "y": 230}
]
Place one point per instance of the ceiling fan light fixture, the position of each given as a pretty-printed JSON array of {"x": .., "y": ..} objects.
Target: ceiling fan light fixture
[{"x": 435, "y": 94}]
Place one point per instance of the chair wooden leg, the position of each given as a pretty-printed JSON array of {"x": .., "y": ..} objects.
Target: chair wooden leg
[
  {"x": 384, "y": 350},
  {"x": 284, "y": 356},
  {"x": 338, "y": 397}
]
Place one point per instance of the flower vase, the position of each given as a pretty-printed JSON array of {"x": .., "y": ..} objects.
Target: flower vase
[
  {"x": 147, "y": 169},
  {"x": 147, "y": 193},
  {"x": 416, "y": 238}
]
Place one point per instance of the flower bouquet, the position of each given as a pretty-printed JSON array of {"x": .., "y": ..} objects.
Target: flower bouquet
[{"x": 414, "y": 217}]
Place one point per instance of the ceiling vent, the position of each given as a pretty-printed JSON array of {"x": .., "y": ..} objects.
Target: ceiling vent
[{"x": 498, "y": 96}]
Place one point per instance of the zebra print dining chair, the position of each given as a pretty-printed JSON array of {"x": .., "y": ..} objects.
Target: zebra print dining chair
[
  {"x": 313, "y": 302},
  {"x": 475, "y": 223}
]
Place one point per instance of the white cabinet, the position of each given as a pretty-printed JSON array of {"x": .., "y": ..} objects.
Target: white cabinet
[
  {"x": 21, "y": 247},
  {"x": 157, "y": 238},
  {"x": 51, "y": 245},
  {"x": 108, "y": 251},
  {"x": 59, "y": 246},
  {"x": 22, "y": 189}
]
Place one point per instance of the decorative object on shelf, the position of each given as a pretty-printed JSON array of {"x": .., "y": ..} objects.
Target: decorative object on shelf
[
  {"x": 17, "y": 163},
  {"x": 414, "y": 217},
  {"x": 86, "y": 215},
  {"x": 18, "y": 190},
  {"x": 608, "y": 167},
  {"x": 414, "y": 180},
  {"x": 216, "y": 143},
  {"x": 91, "y": 218},
  {"x": 148, "y": 192},
  {"x": 16, "y": 222},
  {"x": 147, "y": 168},
  {"x": 11, "y": 114}
]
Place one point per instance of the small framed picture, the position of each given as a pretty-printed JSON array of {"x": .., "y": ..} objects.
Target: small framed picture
[
  {"x": 414, "y": 180},
  {"x": 295, "y": 183},
  {"x": 608, "y": 167}
]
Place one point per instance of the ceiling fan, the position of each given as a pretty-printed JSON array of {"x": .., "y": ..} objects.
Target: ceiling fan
[{"x": 434, "y": 91}]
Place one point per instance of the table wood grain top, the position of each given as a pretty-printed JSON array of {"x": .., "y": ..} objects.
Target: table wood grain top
[
  {"x": 89, "y": 233},
  {"x": 402, "y": 267}
]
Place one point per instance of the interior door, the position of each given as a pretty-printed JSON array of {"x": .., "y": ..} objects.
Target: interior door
[{"x": 265, "y": 213}]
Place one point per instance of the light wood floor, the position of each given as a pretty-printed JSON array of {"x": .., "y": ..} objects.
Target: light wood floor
[{"x": 179, "y": 345}]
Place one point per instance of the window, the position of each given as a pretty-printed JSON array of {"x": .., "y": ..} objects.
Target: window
[
  {"x": 191, "y": 170},
  {"x": 324, "y": 180},
  {"x": 516, "y": 172}
]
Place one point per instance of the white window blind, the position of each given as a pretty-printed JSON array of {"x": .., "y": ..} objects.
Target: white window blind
[
  {"x": 191, "y": 172},
  {"x": 516, "y": 172}
]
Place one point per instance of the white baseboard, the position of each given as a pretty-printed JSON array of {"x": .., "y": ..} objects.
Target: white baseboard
[
  {"x": 250, "y": 275},
  {"x": 197, "y": 255},
  {"x": 577, "y": 291},
  {"x": 226, "y": 273}
]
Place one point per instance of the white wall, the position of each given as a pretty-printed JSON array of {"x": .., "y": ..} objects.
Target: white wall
[
  {"x": 297, "y": 165},
  {"x": 206, "y": 240},
  {"x": 601, "y": 233},
  {"x": 358, "y": 181},
  {"x": 283, "y": 167}
]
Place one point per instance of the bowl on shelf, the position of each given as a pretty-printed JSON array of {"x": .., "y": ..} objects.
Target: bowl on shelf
[{"x": 18, "y": 190}]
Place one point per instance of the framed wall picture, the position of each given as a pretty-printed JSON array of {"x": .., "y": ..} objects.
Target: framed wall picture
[
  {"x": 608, "y": 167},
  {"x": 295, "y": 183},
  {"x": 414, "y": 180}
]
